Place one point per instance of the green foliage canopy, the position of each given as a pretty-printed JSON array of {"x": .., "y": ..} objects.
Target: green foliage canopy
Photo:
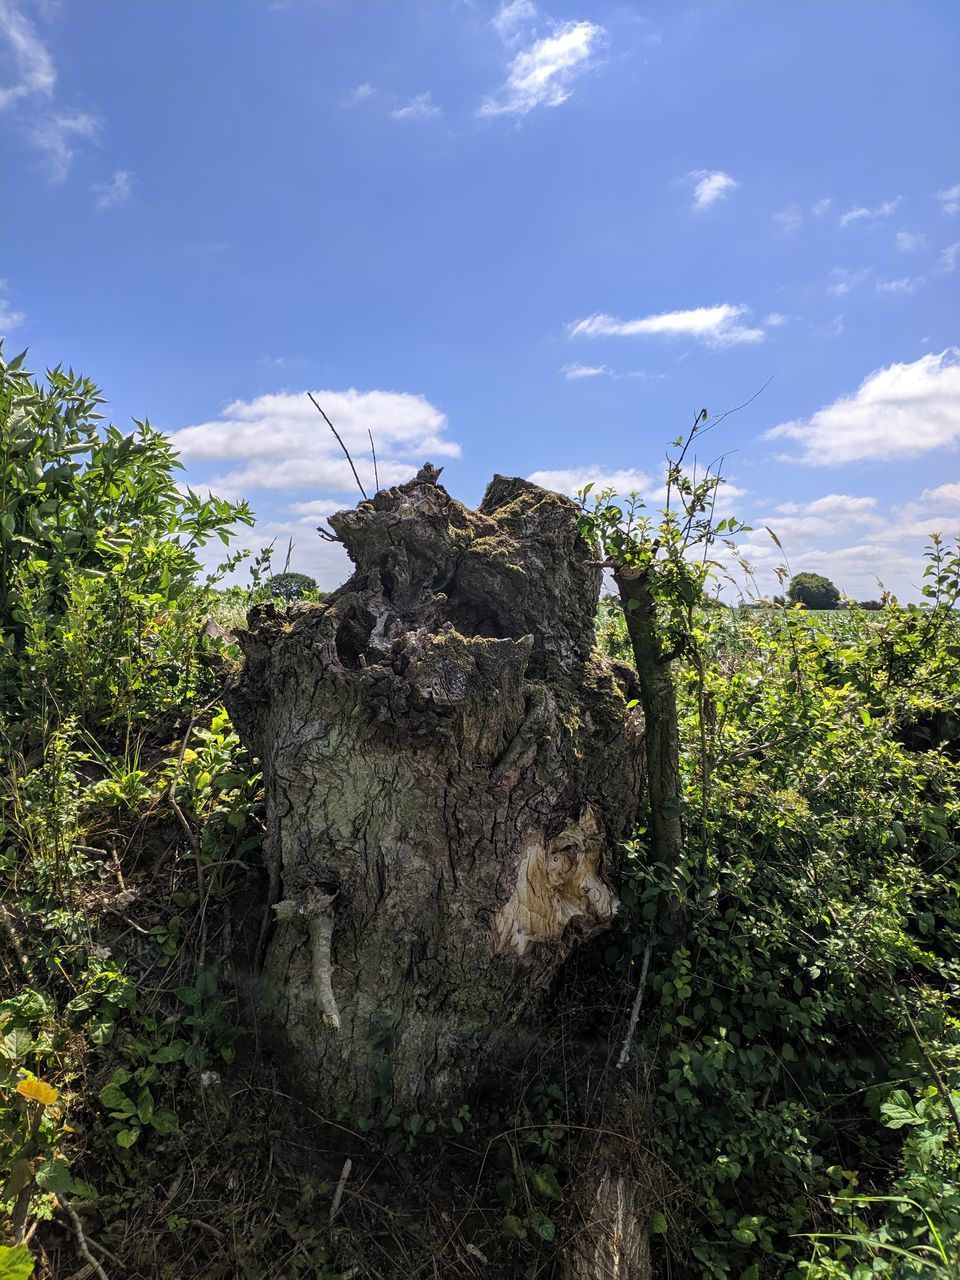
[{"x": 813, "y": 590}]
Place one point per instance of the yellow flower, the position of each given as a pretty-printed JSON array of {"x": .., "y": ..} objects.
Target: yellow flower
[{"x": 37, "y": 1091}]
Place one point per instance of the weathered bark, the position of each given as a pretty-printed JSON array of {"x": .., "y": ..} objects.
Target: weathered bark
[{"x": 450, "y": 765}]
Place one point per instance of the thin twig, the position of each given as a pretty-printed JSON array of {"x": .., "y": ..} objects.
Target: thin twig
[
  {"x": 339, "y": 441},
  {"x": 635, "y": 1011},
  {"x": 376, "y": 474},
  {"x": 338, "y": 1194},
  {"x": 82, "y": 1247}
]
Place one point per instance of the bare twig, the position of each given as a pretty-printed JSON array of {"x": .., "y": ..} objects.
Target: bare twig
[
  {"x": 373, "y": 451},
  {"x": 339, "y": 442},
  {"x": 82, "y": 1247},
  {"x": 635, "y": 1011},
  {"x": 338, "y": 1194}
]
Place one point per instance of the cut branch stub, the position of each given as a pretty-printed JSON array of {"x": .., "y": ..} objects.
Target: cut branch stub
[{"x": 449, "y": 766}]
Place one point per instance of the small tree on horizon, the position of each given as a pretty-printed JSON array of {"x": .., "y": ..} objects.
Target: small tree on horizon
[{"x": 813, "y": 591}]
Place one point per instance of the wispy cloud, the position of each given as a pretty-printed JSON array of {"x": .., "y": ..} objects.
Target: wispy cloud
[
  {"x": 53, "y": 132},
  {"x": 843, "y": 279},
  {"x": 116, "y": 190},
  {"x": 905, "y": 284},
  {"x": 910, "y": 241},
  {"x": 56, "y": 136},
  {"x": 360, "y": 94},
  {"x": 950, "y": 199},
  {"x": 775, "y": 319},
  {"x": 896, "y": 412},
  {"x": 543, "y": 74},
  {"x": 864, "y": 214},
  {"x": 789, "y": 219},
  {"x": 717, "y": 326},
  {"x": 9, "y": 318},
  {"x": 711, "y": 186},
  {"x": 949, "y": 257},
  {"x": 33, "y": 69},
  {"x": 513, "y": 19},
  {"x": 578, "y": 370},
  {"x": 419, "y": 108},
  {"x": 821, "y": 207},
  {"x": 278, "y": 441}
]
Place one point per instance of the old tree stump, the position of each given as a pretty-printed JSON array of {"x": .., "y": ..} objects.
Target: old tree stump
[{"x": 449, "y": 764}]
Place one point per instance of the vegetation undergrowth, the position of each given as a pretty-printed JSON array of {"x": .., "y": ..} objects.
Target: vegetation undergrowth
[{"x": 796, "y": 1066}]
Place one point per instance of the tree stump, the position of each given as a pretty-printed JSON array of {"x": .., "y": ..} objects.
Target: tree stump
[{"x": 449, "y": 765}]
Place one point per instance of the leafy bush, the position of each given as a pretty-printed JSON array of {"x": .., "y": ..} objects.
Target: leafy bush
[
  {"x": 100, "y": 606},
  {"x": 816, "y": 905},
  {"x": 813, "y": 590}
]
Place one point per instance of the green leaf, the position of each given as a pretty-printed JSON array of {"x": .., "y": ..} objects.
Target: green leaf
[
  {"x": 16, "y": 1262},
  {"x": 546, "y": 1230},
  {"x": 114, "y": 1099},
  {"x": 54, "y": 1175},
  {"x": 658, "y": 1224},
  {"x": 127, "y": 1137},
  {"x": 164, "y": 1121},
  {"x": 545, "y": 1180}
]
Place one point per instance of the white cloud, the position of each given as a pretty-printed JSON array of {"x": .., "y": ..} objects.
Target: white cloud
[
  {"x": 842, "y": 279},
  {"x": 281, "y": 442},
  {"x": 898, "y": 411},
  {"x": 56, "y": 135},
  {"x": 821, "y": 207},
  {"x": 949, "y": 257},
  {"x": 116, "y": 190},
  {"x": 578, "y": 370},
  {"x": 543, "y": 74},
  {"x": 864, "y": 214},
  {"x": 717, "y": 326},
  {"x": 56, "y": 132},
  {"x": 950, "y": 199},
  {"x": 360, "y": 94},
  {"x": 419, "y": 108},
  {"x": 910, "y": 241},
  {"x": 906, "y": 284},
  {"x": 33, "y": 69},
  {"x": 789, "y": 219},
  {"x": 711, "y": 185},
  {"x": 823, "y": 517},
  {"x": 943, "y": 493},
  {"x": 775, "y": 319},
  {"x": 571, "y": 480},
  {"x": 9, "y": 318},
  {"x": 512, "y": 18}
]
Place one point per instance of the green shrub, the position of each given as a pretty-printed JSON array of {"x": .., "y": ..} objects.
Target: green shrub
[
  {"x": 291, "y": 586},
  {"x": 813, "y": 590},
  {"x": 100, "y": 605}
]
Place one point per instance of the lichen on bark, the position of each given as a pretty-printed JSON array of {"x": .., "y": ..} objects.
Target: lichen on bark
[{"x": 450, "y": 766}]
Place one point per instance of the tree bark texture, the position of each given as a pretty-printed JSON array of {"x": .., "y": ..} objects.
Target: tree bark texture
[{"x": 449, "y": 765}]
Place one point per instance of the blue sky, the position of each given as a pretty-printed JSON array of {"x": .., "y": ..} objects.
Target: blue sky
[{"x": 523, "y": 238}]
